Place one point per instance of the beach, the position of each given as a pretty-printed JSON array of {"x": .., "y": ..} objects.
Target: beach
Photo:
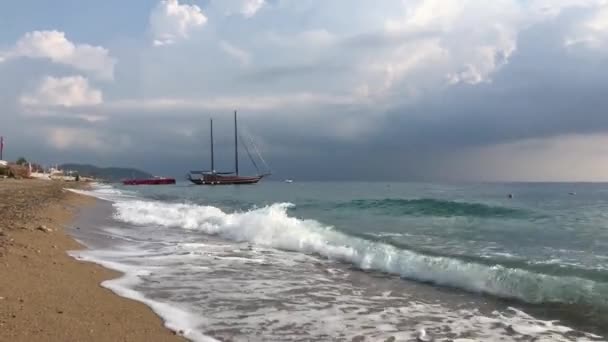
[
  {"x": 46, "y": 295},
  {"x": 311, "y": 262}
]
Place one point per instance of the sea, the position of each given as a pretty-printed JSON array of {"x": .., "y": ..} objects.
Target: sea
[{"x": 358, "y": 261}]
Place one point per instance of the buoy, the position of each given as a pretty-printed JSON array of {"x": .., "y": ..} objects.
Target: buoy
[{"x": 510, "y": 195}]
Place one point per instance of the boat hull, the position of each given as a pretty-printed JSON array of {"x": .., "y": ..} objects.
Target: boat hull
[
  {"x": 225, "y": 180},
  {"x": 155, "y": 181}
]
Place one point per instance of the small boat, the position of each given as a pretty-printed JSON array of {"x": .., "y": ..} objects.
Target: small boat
[
  {"x": 289, "y": 181},
  {"x": 214, "y": 177},
  {"x": 149, "y": 181}
]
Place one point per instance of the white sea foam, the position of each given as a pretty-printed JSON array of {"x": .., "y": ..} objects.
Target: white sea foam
[
  {"x": 293, "y": 301},
  {"x": 106, "y": 193},
  {"x": 181, "y": 321},
  {"x": 271, "y": 226},
  {"x": 255, "y": 289}
]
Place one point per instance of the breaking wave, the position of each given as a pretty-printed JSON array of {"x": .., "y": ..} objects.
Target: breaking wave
[{"x": 271, "y": 226}]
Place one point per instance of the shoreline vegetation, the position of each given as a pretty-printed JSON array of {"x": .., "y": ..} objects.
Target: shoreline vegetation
[{"x": 46, "y": 295}]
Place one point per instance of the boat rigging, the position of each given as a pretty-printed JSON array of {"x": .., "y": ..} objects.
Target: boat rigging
[{"x": 213, "y": 177}]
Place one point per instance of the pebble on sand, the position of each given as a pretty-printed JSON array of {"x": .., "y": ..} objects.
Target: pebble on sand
[{"x": 44, "y": 228}]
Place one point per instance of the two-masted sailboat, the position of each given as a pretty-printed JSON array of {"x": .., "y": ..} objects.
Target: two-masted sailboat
[{"x": 213, "y": 177}]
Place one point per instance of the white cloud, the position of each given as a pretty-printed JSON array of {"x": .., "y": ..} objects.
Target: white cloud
[
  {"x": 593, "y": 31},
  {"x": 229, "y": 103},
  {"x": 91, "y": 118},
  {"x": 170, "y": 21},
  {"x": 426, "y": 14},
  {"x": 479, "y": 37},
  {"x": 246, "y": 8},
  {"x": 54, "y": 45},
  {"x": 240, "y": 55},
  {"x": 384, "y": 72},
  {"x": 72, "y": 91},
  {"x": 251, "y": 7},
  {"x": 485, "y": 60}
]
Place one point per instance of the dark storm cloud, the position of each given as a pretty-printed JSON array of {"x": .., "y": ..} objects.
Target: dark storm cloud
[{"x": 542, "y": 92}]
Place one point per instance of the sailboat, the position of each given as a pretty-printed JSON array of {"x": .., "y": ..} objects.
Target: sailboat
[{"x": 213, "y": 177}]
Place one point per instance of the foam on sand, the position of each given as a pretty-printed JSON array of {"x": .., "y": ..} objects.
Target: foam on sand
[{"x": 181, "y": 321}]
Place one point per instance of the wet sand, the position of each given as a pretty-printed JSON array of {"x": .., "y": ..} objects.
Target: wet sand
[{"x": 45, "y": 295}]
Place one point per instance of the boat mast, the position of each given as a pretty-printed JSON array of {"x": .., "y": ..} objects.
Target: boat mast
[
  {"x": 212, "y": 162},
  {"x": 236, "y": 148}
]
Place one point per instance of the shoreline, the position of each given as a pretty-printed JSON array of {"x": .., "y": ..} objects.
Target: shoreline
[{"x": 45, "y": 294}]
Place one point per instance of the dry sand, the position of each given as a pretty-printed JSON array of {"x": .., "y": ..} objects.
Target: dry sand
[{"x": 45, "y": 295}]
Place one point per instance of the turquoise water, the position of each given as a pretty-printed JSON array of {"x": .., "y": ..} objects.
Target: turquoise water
[
  {"x": 543, "y": 227},
  {"x": 546, "y": 248}
]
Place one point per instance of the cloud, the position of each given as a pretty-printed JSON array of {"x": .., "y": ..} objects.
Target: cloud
[
  {"x": 426, "y": 88},
  {"x": 251, "y": 7},
  {"x": 553, "y": 8},
  {"x": 593, "y": 31},
  {"x": 398, "y": 56},
  {"x": 71, "y": 91},
  {"x": 385, "y": 73},
  {"x": 485, "y": 60},
  {"x": 63, "y": 138},
  {"x": 308, "y": 39},
  {"x": 54, "y": 45},
  {"x": 91, "y": 118},
  {"x": 246, "y": 8},
  {"x": 229, "y": 103},
  {"x": 83, "y": 139},
  {"x": 478, "y": 37},
  {"x": 242, "y": 56},
  {"x": 170, "y": 21}
]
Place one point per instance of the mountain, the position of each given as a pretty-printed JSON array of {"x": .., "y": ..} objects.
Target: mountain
[{"x": 111, "y": 174}]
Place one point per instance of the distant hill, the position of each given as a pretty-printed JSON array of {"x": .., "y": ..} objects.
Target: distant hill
[{"x": 111, "y": 174}]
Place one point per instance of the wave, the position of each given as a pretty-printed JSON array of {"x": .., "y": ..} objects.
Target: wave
[
  {"x": 271, "y": 226},
  {"x": 431, "y": 207},
  {"x": 106, "y": 193},
  {"x": 175, "y": 319}
]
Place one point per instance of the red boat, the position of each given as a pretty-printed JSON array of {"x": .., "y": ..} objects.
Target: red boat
[
  {"x": 228, "y": 178},
  {"x": 149, "y": 181}
]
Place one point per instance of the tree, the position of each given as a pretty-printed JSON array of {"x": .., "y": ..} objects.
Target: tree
[{"x": 21, "y": 161}]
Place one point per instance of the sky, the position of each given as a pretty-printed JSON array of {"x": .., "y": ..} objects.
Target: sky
[{"x": 412, "y": 90}]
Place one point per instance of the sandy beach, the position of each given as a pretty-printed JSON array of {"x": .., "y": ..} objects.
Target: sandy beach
[{"x": 45, "y": 295}]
